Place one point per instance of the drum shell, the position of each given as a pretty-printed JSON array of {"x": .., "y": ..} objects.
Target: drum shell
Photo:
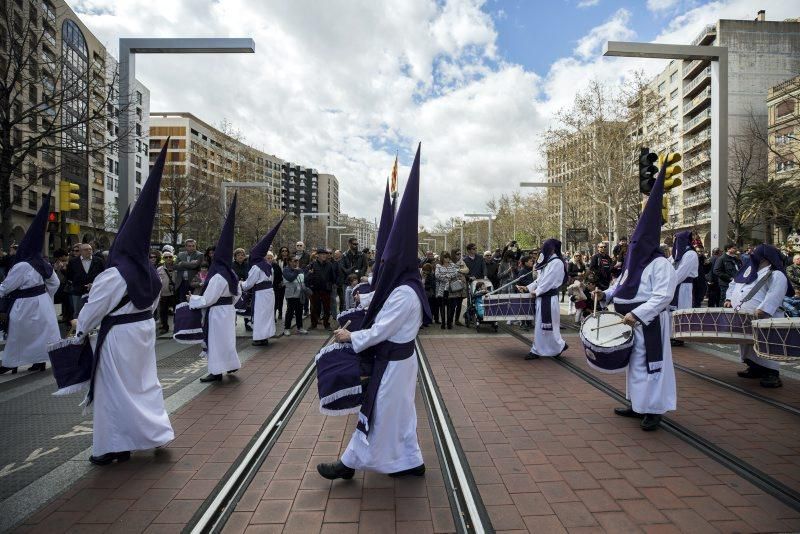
[
  {"x": 356, "y": 317},
  {"x": 713, "y": 325},
  {"x": 509, "y": 307},
  {"x": 188, "y": 327},
  {"x": 607, "y": 359},
  {"x": 777, "y": 339}
]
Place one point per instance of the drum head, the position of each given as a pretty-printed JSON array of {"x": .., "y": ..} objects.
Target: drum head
[{"x": 608, "y": 332}]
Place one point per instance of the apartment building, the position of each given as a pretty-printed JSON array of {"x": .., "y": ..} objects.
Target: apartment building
[
  {"x": 365, "y": 231},
  {"x": 329, "y": 198},
  {"x": 783, "y": 108},
  {"x": 300, "y": 189},
  {"x": 203, "y": 157},
  {"x": 761, "y": 54}
]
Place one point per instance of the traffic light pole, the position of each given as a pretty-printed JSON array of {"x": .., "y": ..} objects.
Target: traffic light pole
[{"x": 718, "y": 55}]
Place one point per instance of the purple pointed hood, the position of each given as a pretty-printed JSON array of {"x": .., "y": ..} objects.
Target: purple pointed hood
[
  {"x": 681, "y": 245},
  {"x": 645, "y": 243},
  {"x": 222, "y": 264},
  {"x": 131, "y": 250},
  {"x": 387, "y": 220},
  {"x": 30, "y": 248},
  {"x": 749, "y": 271},
  {"x": 399, "y": 263},
  {"x": 258, "y": 252}
]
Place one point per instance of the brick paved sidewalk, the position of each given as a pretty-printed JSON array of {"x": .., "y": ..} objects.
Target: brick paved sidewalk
[
  {"x": 548, "y": 454},
  {"x": 289, "y": 495},
  {"x": 159, "y": 492}
]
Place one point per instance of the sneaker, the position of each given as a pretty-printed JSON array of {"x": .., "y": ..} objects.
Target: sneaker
[
  {"x": 302, "y": 331},
  {"x": 287, "y": 333}
]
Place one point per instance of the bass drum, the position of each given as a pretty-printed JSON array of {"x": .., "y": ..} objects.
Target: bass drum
[{"x": 777, "y": 339}]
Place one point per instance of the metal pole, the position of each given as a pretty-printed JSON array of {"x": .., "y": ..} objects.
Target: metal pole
[
  {"x": 462, "y": 235},
  {"x": 719, "y": 150},
  {"x": 490, "y": 232},
  {"x": 302, "y": 228},
  {"x": 561, "y": 214}
]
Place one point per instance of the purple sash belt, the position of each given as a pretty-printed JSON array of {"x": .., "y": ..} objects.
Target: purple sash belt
[
  {"x": 108, "y": 322},
  {"x": 381, "y": 354},
  {"x": 653, "y": 345},
  {"x": 7, "y": 302},
  {"x": 687, "y": 280},
  {"x": 547, "y": 312}
]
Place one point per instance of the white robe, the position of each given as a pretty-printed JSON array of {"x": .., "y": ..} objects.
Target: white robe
[
  {"x": 768, "y": 299},
  {"x": 32, "y": 320},
  {"x": 263, "y": 304},
  {"x": 687, "y": 267},
  {"x": 128, "y": 404},
  {"x": 651, "y": 393},
  {"x": 547, "y": 342},
  {"x": 221, "y": 350},
  {"x": 393, "y": 444}
]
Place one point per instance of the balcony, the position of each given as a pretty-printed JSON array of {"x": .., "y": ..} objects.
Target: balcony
[
  {"x": 704, "y": 216},
  {"x": 697, "y": 84},
  {"x": 697, "y": 123},
  {"x": 695, "y": 141},
  {"x": 706, "y": 36},
  {"x": 48, "y": 14},
  {"x": 694, "y": 180},
  {"x": 696, "y": 199},
  {"x": 701, "y": 99},
  {"x": 699, "y": 159}
]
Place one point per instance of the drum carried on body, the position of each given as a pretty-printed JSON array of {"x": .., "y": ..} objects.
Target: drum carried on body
[
  {"x": 777, "y": 339},
  {"x": 509, "y": 307},
  {"x": 72, "y": 359},
  {"x": 244, "y": 306},
  {"x": 355, "y": 316},
  {"x": 713, "y": 325},
  {"x": 188, "y": 325},
  {"x": 339, "y": 372},
  {"x": 607, "y": 341}
]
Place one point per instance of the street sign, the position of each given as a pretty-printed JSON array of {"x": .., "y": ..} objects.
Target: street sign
[{"x": 577, "y": 235}]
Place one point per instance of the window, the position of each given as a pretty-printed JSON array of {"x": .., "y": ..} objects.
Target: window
[
  {"x": 138, "y": 191},
  {"x": 32, "y": 198},
  {"x": 109, "y": 183},
  {"x": 116, "y": 185},
  {"x": 17, "y": 195},
  {"x": 110, "y": 165},
  {"x": 673, "y": 77},
  {"x": 139, "y": 113},
  {"x": 138, "y": 129},
  {"x": 138, "y": 162},
  {"x": 138, "y": 177},
  {"x": 785, "y": 166},
  {"x": 116, "y": 168},
  {"x": 661, "y": 88},
  {"x": 674, "y": 112},
  {"x": 139, "y": 101},
  {"x": 673, "y": 95},
  {"x": 784, "y": 108}
]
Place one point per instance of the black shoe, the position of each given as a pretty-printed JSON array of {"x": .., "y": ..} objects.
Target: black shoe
[
  {"x": 676, "y": 342},
  {"x": 211, "y": 378},
  {"x": 564, "y": 349},
  {"x": 771, "y": 381},
  {"x": 531, "y": 356},
  {"x": 4, "y": 370},
  {"x": 335, "y": 470},
  {"x": 495, "y": 327},
  {"x": 751, "y": 372},
  {"x": 651, "y": 421},
  {"x": 37, "y": 367},
  {"x": 109, "y": 457},
  {"x": 247, "y": 327},
  {"x": 261, "y": 342},
  {"x": 415, "y": 471},
  {"x": 626, "y": 412},
  {"x": 232, "y": 371}
]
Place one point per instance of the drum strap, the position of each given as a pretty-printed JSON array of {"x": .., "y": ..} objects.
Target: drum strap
[
  {"x": 383, "y": 353},
  {"x": 547, "y": 312},
  {"x": 756, "y": 288},
  {"x": 108, "y": 322},
  {"x": 653, "y": 344}
]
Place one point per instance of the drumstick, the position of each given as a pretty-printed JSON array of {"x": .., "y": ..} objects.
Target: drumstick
[
  {"x": 344, "y": 327},
  {"x": 606, "y": 325},
  {"x": 598, "y": 317}
]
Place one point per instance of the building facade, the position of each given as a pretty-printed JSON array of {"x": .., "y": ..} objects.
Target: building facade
[
  {"x": 365, "y": 231},
  {"x": 300, "y": 189},
  {"x": 328, "y": 189},
  {"x": 783, "y": 108}
]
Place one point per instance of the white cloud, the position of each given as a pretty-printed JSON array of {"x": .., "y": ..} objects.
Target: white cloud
[
  {"x": 662, "y": 5},
  {"x": 614, "y": 29},
  {"x": 588, "y": 3}
]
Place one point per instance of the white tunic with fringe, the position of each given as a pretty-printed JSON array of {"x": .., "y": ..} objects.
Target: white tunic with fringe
[
  {"x": 221, "y": 350},
  {"x": 393, "y": 444},
  {"x": 548, "y": 342},
  {"x": 32, "y": 320},
  {"x": 767, "y": 299},
  {"x": 263, "y": 304},
  {"x": 128, "y": 405},
  {"x": 653, "y": 393},
  {"x": 687, "y": 267}
]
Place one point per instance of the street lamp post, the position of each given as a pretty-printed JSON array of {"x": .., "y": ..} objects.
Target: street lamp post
[
  {"x": 461, "y": 228},
  {"x": 341, "y": 246},
  {"x": 482, "y": 216},
  {"x": 332, "y": 228},
  {"x": 445, "y": 239},
  {"x": 128, "y": 48},
  {"x": 718, "y": 55},
  {"x": 560, "y": 188},
  {"x": 303, "y": 222}
]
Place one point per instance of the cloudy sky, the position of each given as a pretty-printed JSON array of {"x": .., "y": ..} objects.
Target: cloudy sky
[{"x": 340, "y": 85}]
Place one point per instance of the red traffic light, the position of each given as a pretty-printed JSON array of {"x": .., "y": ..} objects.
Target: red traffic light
[{"x": 52, "y": 217}]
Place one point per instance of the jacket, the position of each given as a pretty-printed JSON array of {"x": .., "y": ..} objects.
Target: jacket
[
  {"x": 78, "y": 277},
  {"x": 241, "y": 269},
  {"x": 320, "y": 276},
  {"x": 188, "y": 265},
  {"x": 476, "y": 266},
  {"x": 726, "y": 268},
  {"x": 168, "y": 280},
  {"x": 293, "y": 282},
  {"x": 354, "y": 264}
]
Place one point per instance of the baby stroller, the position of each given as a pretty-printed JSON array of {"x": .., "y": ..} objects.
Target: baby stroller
[{"x": 473, "y": 317}]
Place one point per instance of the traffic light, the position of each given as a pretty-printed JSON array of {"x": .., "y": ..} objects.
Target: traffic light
[
  {"x": 671, "y": 180},
  {"x": 647, "y": 171},
  {"x": 68, "y": 196},
  {"x": 52, "y": 221}
]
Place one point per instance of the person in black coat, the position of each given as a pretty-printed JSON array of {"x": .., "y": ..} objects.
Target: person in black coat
[
  {"x": 242, "y": 267},
  {"x": 601, "y": 265},
  {"x": 81, "y": 272},
  {"x": 726, "y": 268},
  {"x": 354, "y": 260},
  {"x": 321, "y": 278}
]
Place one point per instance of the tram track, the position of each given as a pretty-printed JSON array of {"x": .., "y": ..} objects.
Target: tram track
[
  {"x": 747, "y": 471},
  {"x": 469, "y": 513},
  {"x": 726, "y": 385}
]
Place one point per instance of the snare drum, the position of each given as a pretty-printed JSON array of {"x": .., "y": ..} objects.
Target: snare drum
[
  {"x": 509, "y": 307},
  {"x": 355, "y": 316},
  {"x": 777, "y": 339},
  {"x": 713, "y": 325},
  {"x": 339, "y": 372},
  {"x": 188, "y": 324},
  {"x": 607, "y": 342}
]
